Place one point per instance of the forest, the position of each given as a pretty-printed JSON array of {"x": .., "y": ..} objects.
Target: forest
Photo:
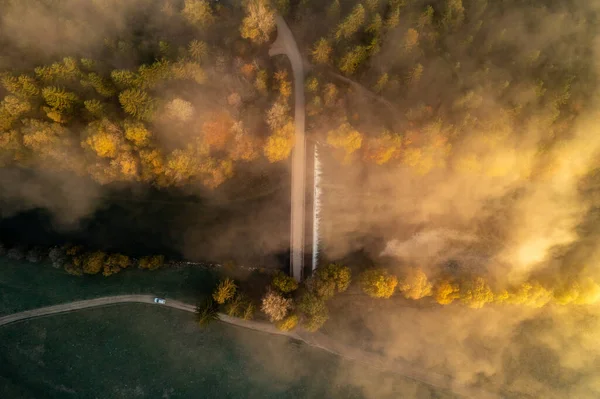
[{"x": 459, "y": 145}]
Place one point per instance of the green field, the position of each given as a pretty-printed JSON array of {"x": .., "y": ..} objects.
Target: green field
[
  {"x": 28, "y": 286},
  {"x": 142, "y": 351}
]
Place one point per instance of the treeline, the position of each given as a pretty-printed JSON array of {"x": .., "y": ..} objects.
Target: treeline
[
  {"x": 475, "y": 291},
  {"x": 75, "y": 260}
]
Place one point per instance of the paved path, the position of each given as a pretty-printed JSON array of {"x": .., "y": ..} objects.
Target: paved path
[
  {"x": 285, "y": 44},
  {"x": 149, "y": 299},
  {"x": 317, "y": 339}
]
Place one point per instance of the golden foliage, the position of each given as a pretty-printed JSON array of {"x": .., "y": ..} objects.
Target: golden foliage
[
  {"x": 415, "y": 284},
  {"x": 378, "y": 283},
  {"x": 353, "y": 22},
  {"x": 321, "y": 53},
  {"x": 346, "y": 138},
  {"x": 259, "y": 21},
  {"x": 224, "y": 291},
  {"x": 476, "y": 293},
  {"x": 279, "y": 145},
  {"x": 382, "y": 148},
  {"x": 288, "y": 324},
  {"x": 137, "y": 133},
  {"x": 104, "y": 139},
  {"x": 446, "y": 292},
  {"x": 198, "y": 12}
]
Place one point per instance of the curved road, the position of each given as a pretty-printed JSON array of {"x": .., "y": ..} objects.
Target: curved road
[
  {"x": 285, "y": 44},
  {"x": 149, "y": 299},
  {"x": 318, "y": 339}
]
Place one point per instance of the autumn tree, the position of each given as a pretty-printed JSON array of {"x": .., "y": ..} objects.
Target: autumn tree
[
  {"x": 179, "y": 110},
  {"x": 115, "y": 263},
  {"x": 137, "y": 133},
  {"x": 217, "y": 131},
  {"x": 353, "y": 22},
  {"x": 259, "y": 21},
  {"x": 476, "y": 293},
  {"x": 330, "y": 279},
  {"x": 224, "y": 291},
  {"x": 446, "y": 292},
  {"x": 284, "y": 283},
  {"x": 352, "y": 59},
  {"x": 198, "y": 12},
  {"x": 314, "y": 310},
  {"x": 378, "y": 283},
  {"x": 93, "y": 262},
  {"x": 415, "y": 284},
  {"x": 152, "y": 262},
  {"x": 322, "y": 52},
  {"x": 346, "y": 138},
  {"x": 198, "y": 50},
  {"x": 137, "y": 103},
  {"x": 383, "y": 147},
  {"x": 583, "y": 292},
  {"x": 275, "y": 306},
  {"x": 279, "y": 145},
  {"x": 104, "y": 138}
]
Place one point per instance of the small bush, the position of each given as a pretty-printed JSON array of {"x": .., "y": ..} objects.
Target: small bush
[
  {"x": 284, "y": 283},
  {"x": 151, "y": 262},
  {"x": 207, "y": 312},
  {"x": 224, "y": 291},
  {"x": 288, "y": 324}
]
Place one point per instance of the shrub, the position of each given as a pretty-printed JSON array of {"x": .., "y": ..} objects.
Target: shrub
[
  {"x": 224, "y": 291},
  {"x": 151, "y": 262},
  {"x": 34, "y": 255},
  {"x": 378, "y": 283},
  {"x": 275, "y": 306},
  {"x": 248, "y": 311},
  {"x": 314, "y": 322},
  {"x": 284, "y": 283},
  {"x": 311, "y": 304},
  {"x": 207, "y": 312},
  {"x": 288, "y": 324}
]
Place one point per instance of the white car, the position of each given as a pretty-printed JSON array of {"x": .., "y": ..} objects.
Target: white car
[{"x": 162, "y": 301}]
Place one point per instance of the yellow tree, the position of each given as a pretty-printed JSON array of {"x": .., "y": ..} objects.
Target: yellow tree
[
  {"x": 446, "y": 292},
  {"x": 353, "y": 58},
  {"x": 279, "y": 145},
  {"x": 415, "y": 285},
  {"x": 346, "y": 138},
  {"x": 259, "y": 21},
  {"x": 353, "y": 22},
  {"x": 322, "y": 52},
  {"x": 382, "y": 148},
  {"x": 104, "y": 138},
  {"x": 198, "y": 12},
  {"x": 378, "y": 283},
  {"x": 476, "y": 293},
  {"x": 137, "y": 133}
]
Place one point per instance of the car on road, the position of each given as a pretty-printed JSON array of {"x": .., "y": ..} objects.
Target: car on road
[{"x": 162, "y": 301}]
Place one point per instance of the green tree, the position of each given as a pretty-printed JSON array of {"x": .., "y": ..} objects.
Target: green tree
[
  {"x": 137, "y": 103},
  {"x": 330, "y": 279},
  {"x": 93, "y": 262},
  {"x": 198, "y": 50},
  {"x": 378, "y": 283},
  {"x": 315, "y": 311},
  {"x": 224, "y": 291},
  {"x": 101, "y": 85},
  {"x": 284, "y": 283}
]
